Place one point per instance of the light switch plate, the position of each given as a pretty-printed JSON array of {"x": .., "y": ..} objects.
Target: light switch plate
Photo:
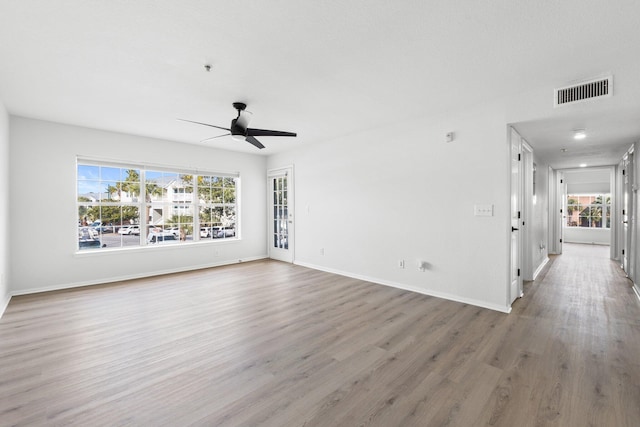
[{"x": 483, "y": 210}]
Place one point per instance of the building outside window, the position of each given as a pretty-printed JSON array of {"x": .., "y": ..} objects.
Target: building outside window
[{"x": 589, "y": 210}]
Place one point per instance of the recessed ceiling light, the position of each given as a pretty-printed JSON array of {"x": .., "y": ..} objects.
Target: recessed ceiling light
[
  {"x": 579, "y": 134},
  {"x": 583, "y": 165}
]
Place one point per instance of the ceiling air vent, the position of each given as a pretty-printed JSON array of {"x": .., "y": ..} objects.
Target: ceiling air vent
[{"x": 597, "y": 88}]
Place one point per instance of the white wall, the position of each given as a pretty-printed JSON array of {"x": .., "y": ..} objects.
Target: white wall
[
  {"x": 402, "y": 192},
  {"x": 588, "y": 180},
  {"x": 4, "y": 209},
  {"x": 587, "y": 235},
  {"x": 44, "y": 218}
]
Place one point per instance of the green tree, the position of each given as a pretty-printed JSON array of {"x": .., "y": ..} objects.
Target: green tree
[{"x": 572, "y": 206}]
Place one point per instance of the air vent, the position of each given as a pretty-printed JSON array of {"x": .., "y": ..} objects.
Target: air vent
[{"x": 597, "y": 88}]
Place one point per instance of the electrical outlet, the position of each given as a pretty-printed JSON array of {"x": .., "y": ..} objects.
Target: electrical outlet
[
  {"x": 400, "y": 263},
  {"x": 321, "y": 251}
]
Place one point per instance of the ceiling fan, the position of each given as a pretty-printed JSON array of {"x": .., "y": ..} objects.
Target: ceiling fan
[{"x": 239, "y": 130}]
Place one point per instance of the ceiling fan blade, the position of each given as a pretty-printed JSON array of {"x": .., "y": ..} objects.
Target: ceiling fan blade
[
  {"x": 205, "y": 124},
  {"x": 266, "y": 132},
  {"x": 251, "y": 140},
  {"x": 214, "y": 137}
]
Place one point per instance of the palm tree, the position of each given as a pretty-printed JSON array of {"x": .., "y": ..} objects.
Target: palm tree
[{"x": 572, "y": 206}]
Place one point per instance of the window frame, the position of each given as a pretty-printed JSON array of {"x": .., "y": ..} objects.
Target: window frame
[
  {"x": 580, "y": 207},
  {"x": 141, "y": 203}
]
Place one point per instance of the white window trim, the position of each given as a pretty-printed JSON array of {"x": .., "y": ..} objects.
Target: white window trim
[
  {"x": 603, "y": 205},
  {"x": 142, "y": 203}
]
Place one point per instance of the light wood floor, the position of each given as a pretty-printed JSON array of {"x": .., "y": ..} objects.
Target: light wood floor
[{"x": 272, "y": 344}]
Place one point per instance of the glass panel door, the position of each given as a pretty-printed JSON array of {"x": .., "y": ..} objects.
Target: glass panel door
[{"x": 281, "y": 212}]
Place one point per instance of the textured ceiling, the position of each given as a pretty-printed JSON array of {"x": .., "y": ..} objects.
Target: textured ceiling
[{"x": 320, "y": 68}]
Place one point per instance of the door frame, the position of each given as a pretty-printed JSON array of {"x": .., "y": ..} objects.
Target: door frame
[
  {"x": 562, "y": 208},
  {"x": 526, "y": 236},
  {"x": 556, "y": 203},
  {"x": 287, "y": 255},
  {"x": 515, "y": 143},
  {"x": 628, "y": 214}
]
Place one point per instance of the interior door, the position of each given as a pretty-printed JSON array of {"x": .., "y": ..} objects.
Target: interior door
[
  {"x": 281, "y": 224},
  {"x": 515, "y": 289},
  {"x": 626, "y": 213},
  {"x": 631, "y": 223},
  {"x": 562, "y": 194}
]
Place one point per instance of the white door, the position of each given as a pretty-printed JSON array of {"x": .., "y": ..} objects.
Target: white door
[
  {"x": 281, "y": 225},
  {"x": 516, "y": 200},
  {"x": 529, "y": 170},
  {"x": 626, "y": 213},
  {"x": 562, "y": 193},
  {"x": 631, "y": 222}
]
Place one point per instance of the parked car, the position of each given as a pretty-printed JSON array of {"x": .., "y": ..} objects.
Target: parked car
[
  {"x": 205, "y": 232},
  {"x": 174, "y": 230},
  {"x": 130, "y": 229},
  {"x": 155, "y": 228},
  {"x": 87, "y": 233},
  {"x": 104, "y": 229},
  {"x": 220, "y": 232},
  {"x": 90, "y": 244},
  {"x": 162, "y": 236}
]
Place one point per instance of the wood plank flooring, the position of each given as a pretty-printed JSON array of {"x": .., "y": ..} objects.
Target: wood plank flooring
[{"x": 271, "y": 344}]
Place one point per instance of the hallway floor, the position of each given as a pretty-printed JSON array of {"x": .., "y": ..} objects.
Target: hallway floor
[{"x": 585, "y": 318}]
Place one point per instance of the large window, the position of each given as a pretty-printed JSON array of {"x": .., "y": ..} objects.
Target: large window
[
  {"x": 120, "y": 206},
  {"x": 589, "y": 210}
]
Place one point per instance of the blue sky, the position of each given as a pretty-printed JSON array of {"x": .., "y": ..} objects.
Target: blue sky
[{"x": 96, "y": 179}]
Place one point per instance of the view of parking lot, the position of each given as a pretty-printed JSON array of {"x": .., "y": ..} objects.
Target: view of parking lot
[{"x": 113, "y": 201}]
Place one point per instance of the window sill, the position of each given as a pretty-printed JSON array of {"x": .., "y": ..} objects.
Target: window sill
[{"x": 134, "y": 249}]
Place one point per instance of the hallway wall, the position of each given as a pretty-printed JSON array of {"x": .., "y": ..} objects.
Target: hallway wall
[{"x": 4, "y": 209}]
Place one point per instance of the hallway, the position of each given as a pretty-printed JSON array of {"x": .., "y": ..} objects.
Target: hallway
[{"x": 585, "y": 330}]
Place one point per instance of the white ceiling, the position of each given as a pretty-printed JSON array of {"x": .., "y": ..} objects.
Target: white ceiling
[{"x": 321, "y": 68}]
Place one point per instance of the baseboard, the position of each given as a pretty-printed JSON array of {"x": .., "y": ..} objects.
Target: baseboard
[
  {"x": 636, "y": 289},
  {"x": 540, "y": 267},
  {"x": 577, "y": 242},
  {"x": 4, "y": 304},
  {"x": 443, "y": 295},
  {"x": 134, "y": 276}
]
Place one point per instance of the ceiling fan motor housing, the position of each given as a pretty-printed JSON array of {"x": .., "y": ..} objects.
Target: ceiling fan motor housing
[{"x": 236, "y": 129}]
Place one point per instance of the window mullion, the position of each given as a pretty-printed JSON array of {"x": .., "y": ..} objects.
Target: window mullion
[
  {"x": 195, "y": 201},
  {"x": 144, "y": 208}
]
